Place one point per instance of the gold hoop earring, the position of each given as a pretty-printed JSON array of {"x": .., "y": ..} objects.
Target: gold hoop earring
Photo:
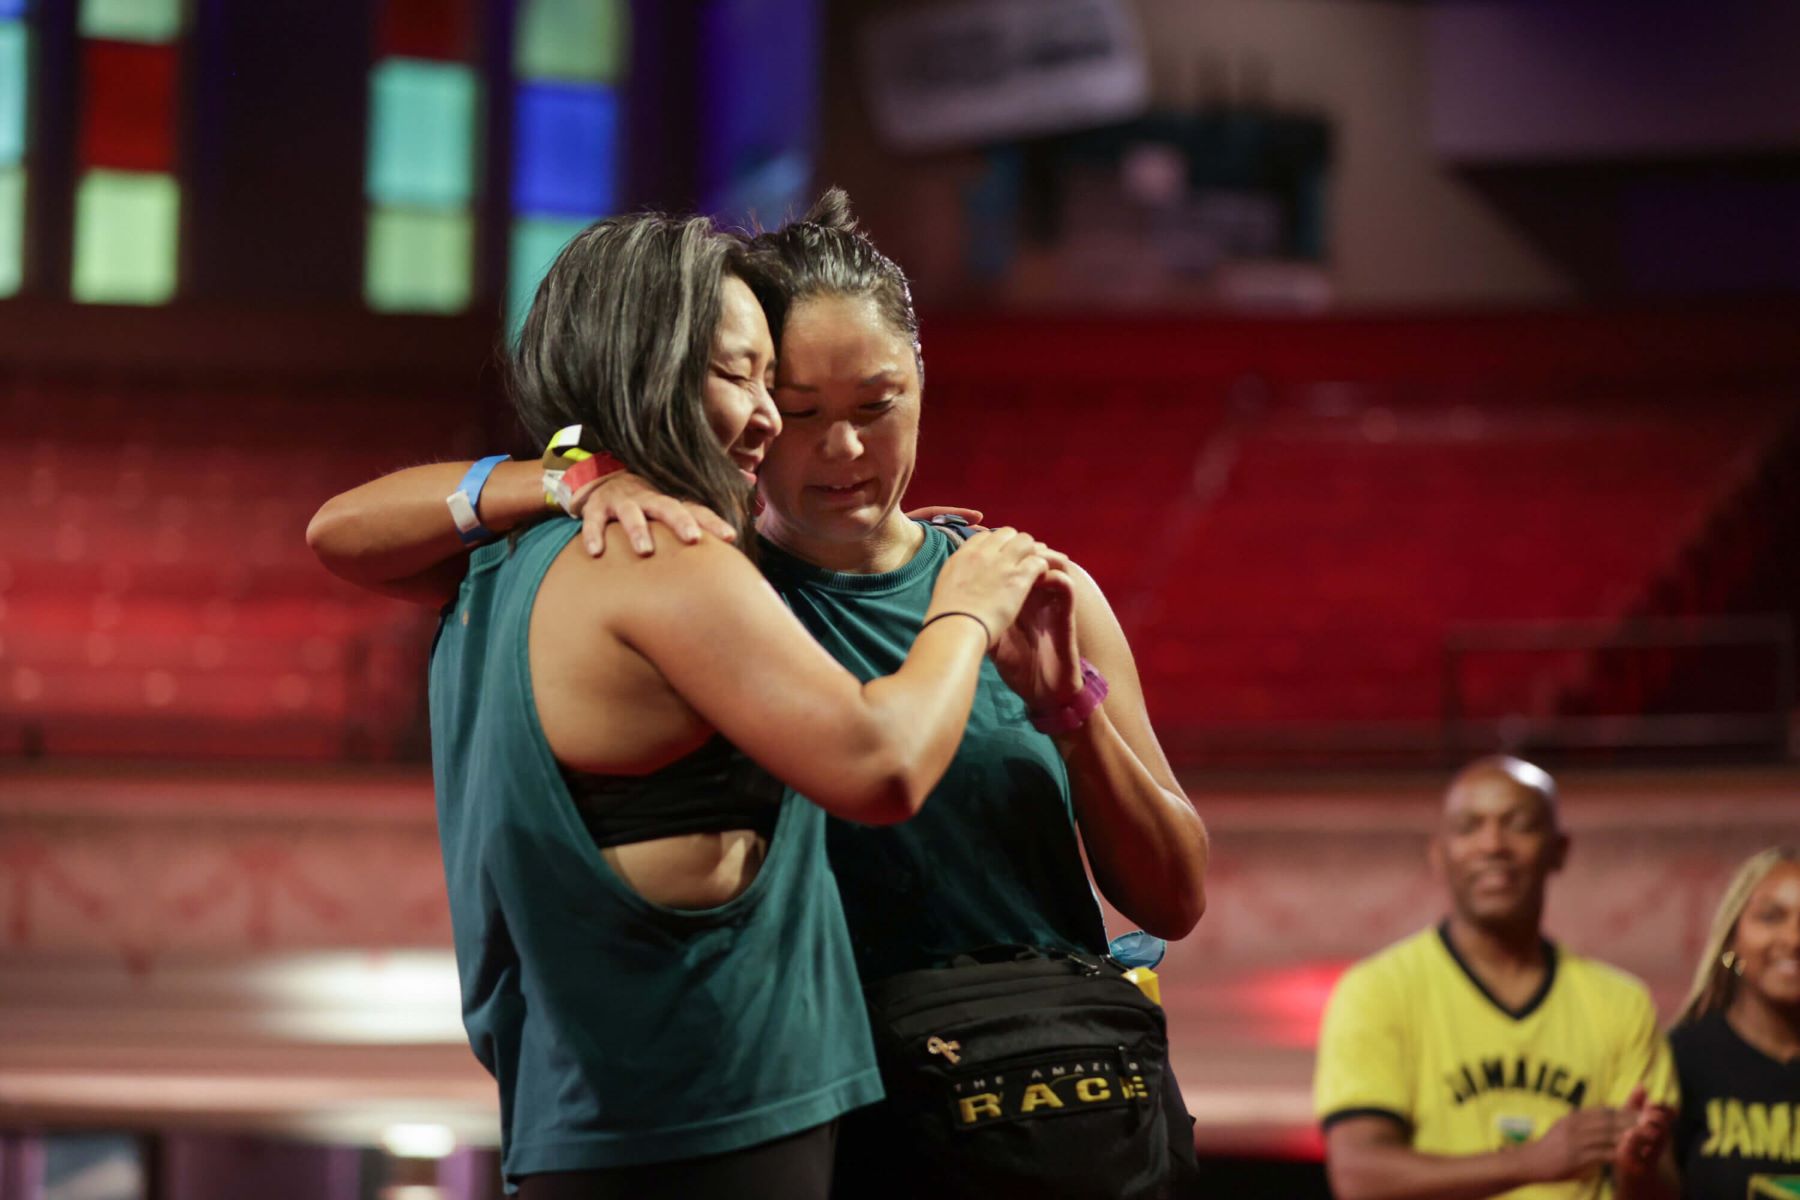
[{"x": 1731, "y": 962}]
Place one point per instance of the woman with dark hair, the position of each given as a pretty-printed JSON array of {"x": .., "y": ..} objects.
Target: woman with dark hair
[
  {"x": 1059, "y": 755},
  {"x": 1052, "y": 761},
  {"x": 1737, "y": 1041},
  {"x": 849, "y": 389},
  {"x": 652, "y": 953}
]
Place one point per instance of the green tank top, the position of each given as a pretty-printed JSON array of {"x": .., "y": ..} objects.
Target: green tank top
[
  {"x": 993, "y": 856},
  {"x": 620, "y": 1031}
]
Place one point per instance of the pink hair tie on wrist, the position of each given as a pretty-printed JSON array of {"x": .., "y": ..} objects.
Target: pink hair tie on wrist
[{"x": 1067, "y": 718}]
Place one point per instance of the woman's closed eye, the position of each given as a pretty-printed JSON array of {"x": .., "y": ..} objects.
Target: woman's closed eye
[{"x": 743, "y": 379}]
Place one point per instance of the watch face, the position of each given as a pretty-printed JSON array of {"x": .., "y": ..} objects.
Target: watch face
[{"x": 1514, "y": 1131}]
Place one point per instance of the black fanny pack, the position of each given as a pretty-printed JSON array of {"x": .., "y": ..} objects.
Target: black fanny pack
[{"x": 1017, "y": 1073}]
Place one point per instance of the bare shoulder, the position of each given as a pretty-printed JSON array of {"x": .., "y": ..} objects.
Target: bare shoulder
[
  {"x": 624, "y": 585},
  {"x": 1101, "y": 632},
  {"x": 1087, "y": 589},
  {"x": 673, "y": 559},
  {"x": 711, "y": 582}
]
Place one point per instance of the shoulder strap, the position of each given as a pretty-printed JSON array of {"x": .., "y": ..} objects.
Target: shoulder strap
[{"x": 959, "y": 530}]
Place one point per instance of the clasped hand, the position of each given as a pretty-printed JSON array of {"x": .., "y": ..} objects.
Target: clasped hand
[
  {"x": 1630, "y": 1139},
  {"x": 1038, "y": 655}
]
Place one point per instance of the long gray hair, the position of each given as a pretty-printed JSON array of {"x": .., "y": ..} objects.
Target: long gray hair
[{"x": 619, "y": 339}]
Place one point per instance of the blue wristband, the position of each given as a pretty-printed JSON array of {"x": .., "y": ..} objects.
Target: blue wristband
[{"x": 465, "y": 501}]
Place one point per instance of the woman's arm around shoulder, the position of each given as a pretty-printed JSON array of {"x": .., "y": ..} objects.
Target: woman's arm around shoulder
[
  {"x": 725, "y": 641},
  {"x": 395, "y": 534}
]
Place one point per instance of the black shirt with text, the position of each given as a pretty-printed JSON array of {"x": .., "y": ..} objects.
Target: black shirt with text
[{"x": 1738, "y": 1136}]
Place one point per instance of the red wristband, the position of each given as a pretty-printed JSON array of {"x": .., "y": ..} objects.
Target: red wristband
[
  {"x": 1067, "y": 718},
  {"x": 589, "y": 469},
  {"x": 579, "y": 475}
]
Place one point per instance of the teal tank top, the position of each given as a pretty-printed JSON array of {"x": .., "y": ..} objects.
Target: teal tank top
[
  {"x": 993, "y": 856},
  {"x": 620, "y": 1031}
]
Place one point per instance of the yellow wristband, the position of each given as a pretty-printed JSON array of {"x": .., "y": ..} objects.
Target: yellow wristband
[{"x": 570, "y": 466}]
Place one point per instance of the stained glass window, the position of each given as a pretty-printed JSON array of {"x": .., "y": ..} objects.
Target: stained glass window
[
  {"x": 423, "y": 157},
  {"x": 569, "y": 59},
  {"x": 419, "y": 260},
  {"x": 536, "y": 241},
  {"x": 127, "y": 199},
  {"x": 15, "y": 67},
  {"x": 154, "y": 21}
]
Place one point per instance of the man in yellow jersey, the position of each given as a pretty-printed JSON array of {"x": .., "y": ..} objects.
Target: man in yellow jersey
[{"x": 1479, "y": 1059}]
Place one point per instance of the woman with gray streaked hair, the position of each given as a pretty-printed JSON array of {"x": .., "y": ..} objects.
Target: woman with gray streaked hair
[{"x": 652, "y": 954}]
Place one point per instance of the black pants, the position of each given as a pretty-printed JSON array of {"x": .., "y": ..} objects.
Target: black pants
[{"x": 797, "y": 1167}]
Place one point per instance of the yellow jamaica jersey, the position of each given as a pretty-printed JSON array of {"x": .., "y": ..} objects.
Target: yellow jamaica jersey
[{"x": 1410, "y": 1033}]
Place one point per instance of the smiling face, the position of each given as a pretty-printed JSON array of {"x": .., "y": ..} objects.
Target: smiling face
[
  {"x": 1496, "y": 848},
  {"x": 1767, "y": 940},
  {"x": 737, "y": 401},
  {"x": 848, "y": 391}
]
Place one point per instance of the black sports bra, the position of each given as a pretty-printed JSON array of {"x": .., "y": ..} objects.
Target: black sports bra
[{"x": 709, "y": 790}]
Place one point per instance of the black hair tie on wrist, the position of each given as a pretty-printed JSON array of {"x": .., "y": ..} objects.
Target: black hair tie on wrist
[{"x": 957, "y": 612}]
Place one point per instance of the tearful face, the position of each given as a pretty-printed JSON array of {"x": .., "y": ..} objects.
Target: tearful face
[{"x": 847, "y": 388}]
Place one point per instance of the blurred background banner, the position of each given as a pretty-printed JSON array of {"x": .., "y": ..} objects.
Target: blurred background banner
[
  {"x": 996, "y": 70},
  {"x": 1420, "y": 379}
]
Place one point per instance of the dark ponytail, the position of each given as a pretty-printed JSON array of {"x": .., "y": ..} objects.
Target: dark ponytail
[{"x": 824, "y": 254}]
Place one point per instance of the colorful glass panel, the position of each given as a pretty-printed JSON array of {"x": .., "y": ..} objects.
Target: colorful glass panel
[
  {"x": 128, "y": 121},
  {"x": 126, "y": 228},
  {"x": 572, "y": 40},
  {"x": 12, "y": 229},
  {"x": 441, "y": 29},
  {"x": 419, "y": 261},
  {"x": 131, "y": 20},
  {"x": 15, "y": 65},
  {"x": 535, "y": 243},
  {"x": 566, "y": 147},
  {"x": 422, "y": 134}
]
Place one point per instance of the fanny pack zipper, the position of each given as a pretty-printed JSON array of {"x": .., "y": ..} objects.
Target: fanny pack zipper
[{"x": 974, "y": 990}]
